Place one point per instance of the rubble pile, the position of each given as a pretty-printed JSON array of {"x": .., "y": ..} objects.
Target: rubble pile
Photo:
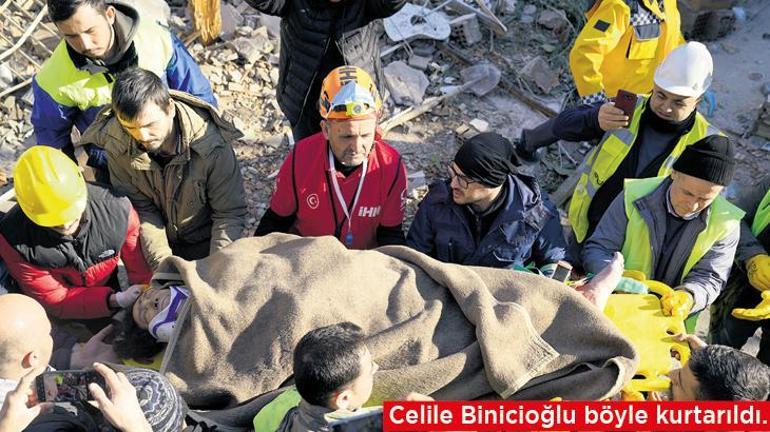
[{"x": 527, "y": 41}]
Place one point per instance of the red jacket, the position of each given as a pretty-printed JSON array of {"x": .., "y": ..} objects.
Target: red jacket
[
  {"x": 304, "y": 188},
  {"x": 70, "y": 276}
]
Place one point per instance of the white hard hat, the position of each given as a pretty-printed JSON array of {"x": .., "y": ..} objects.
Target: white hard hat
[{"x": 686, "y": 71}]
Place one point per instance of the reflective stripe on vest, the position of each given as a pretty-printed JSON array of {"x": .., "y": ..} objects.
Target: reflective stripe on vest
[
  {"x": 269, "y": 418},
  {"x": 637, "y": 251},
  {"x": 762, "y": 216},
  {"x": 606, "y": 157},
  {"x": 73, "y": 87}
]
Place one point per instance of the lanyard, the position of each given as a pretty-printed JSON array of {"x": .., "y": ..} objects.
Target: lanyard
[{"x": 338, "y": 192}]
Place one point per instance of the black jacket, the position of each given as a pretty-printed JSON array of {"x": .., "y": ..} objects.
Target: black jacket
[{"x": 307, "y": 30}]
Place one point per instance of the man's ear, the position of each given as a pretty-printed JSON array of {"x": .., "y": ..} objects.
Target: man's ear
[
  {"x": 171, "y": 110},
  {"x": 109, "y": 13},
  {"x": 325, "y": 128},
  {"x": 30, "y": 360},
  {"x": 341, "y": 400}
]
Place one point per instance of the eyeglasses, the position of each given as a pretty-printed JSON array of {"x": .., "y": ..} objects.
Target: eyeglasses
[{"x": 462, "y": 180}]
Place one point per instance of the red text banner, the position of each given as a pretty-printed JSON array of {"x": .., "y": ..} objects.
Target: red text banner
[{"x": 575, "y": 416}]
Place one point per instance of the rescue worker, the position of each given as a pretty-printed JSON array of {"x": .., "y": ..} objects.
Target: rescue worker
[
  {"x": 751, "y": 276},
  {"x": 663, "y": 124},
  {"x": 99, "y": 40},
  {"x": 621, "y": 44},
  {"x": 171, "y": 154},
  {"x": 487, "y": 213},
  {"x": 676, "y": 229},
  {"x": 63, "y": 240},
  {"x": 318, "y": 36},
  {"x": 344, "y": 181}
]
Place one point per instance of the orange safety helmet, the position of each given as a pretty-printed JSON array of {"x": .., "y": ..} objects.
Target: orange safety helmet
[{"x": 348, "y": 92}]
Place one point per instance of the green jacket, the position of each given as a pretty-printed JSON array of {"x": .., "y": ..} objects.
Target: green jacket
[{"x": 197, "y": 196}]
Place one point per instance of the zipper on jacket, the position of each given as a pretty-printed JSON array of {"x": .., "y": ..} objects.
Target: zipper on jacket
[{"x": 315, "y": 74}]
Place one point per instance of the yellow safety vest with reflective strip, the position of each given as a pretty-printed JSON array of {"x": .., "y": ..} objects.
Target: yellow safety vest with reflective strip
[
  {"x": 723, "y": 218},
  {"x": 605, "y": 158},
  {"x": 762, "y": 216},
  {"x": 73, "y": 87}
]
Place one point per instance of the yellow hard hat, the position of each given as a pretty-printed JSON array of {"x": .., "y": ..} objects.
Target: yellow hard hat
[
  {"x": 349, "y": 92},
  {"x": 49, "y": 186}
]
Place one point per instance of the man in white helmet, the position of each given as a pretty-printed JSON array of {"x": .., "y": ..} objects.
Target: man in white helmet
[{"x": 646, "y": 144}]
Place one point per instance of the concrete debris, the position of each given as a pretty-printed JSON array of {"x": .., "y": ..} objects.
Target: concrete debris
[
  {"x": 415, "y": 180},
  {"x": 479, "y": 124},
  {"x": 756, "y": 76},
  {"x": 556, "y": 21},
  {"x": 231, "y": 20},
  {"x": 529, "y": 9},
  {"x": 416, "y": 22},
  {"x": 6, "y": 76},
  {"x": 466, "y": 29},
  {"x": 251, "y": 49},
  {"x": 419, "y": 62},
  {"x": 407, "y": 85},
  {"x": 272, "y": 23},
  {"x": 527, "y": 19},
  {"x": 508, "y": 7},
  {"x": 538, "y": 72}
]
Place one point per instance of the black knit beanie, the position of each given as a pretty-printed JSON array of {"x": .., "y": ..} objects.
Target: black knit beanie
[
  {"x": 711, "y": 159},
  {"x": 488, "y": 158}
]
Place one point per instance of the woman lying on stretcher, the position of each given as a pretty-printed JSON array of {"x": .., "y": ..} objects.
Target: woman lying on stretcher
[{"x": 144, "y": 329}]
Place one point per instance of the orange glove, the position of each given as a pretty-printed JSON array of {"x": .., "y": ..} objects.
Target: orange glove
[{"x": 677, "y": 303}]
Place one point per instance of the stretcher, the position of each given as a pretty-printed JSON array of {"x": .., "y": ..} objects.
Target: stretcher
[{"x": 640, "y": 318}]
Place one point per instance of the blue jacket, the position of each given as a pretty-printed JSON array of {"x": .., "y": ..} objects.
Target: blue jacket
[
  {"x": 68, "y": 92},
  {"x": 526, "y": 229}
]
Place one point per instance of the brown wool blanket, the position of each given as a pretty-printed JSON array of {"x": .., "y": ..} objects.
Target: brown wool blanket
[{"x": 446, "y": 330}]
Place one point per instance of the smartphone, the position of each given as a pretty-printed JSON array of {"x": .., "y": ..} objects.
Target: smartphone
[
  {"x": 67, "y": 385},
  {"x": 370, "y": 421},
  {"x": 626, "y": 101},
  {"x": 562, "y": 272}
]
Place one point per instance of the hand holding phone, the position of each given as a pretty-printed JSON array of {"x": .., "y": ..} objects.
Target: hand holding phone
[
  {"x": 66, "y": 386},
  {"x": 626, "y": 102}
]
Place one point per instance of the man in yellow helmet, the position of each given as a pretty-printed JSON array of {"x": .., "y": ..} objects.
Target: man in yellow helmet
[
  {"x": 344, "y": 181},
  {"x": 675, "y": 229},
  {"x": 751, "y": 275},
  {"x": 63, "y": 240},
  {"x": 622, "y": 43}
]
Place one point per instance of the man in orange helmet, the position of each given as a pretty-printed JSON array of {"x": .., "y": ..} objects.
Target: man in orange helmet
[{"x": 344, "y": 181}]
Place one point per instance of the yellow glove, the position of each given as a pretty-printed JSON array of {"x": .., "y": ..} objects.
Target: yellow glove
[
  {"x": 758, "y": 313},
  {"x": 677, "y": 303},
  {"x": 758, "y": 270}
]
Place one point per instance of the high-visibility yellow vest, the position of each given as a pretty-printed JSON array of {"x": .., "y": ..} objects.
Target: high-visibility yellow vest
[
  {"x": 73, "y": 87},
  {"x": 605, "y": 158},
  {"x": 762, "y": 216},
  {"x": 723, "y": 218},
  {"x": 269, "y": 418}
]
